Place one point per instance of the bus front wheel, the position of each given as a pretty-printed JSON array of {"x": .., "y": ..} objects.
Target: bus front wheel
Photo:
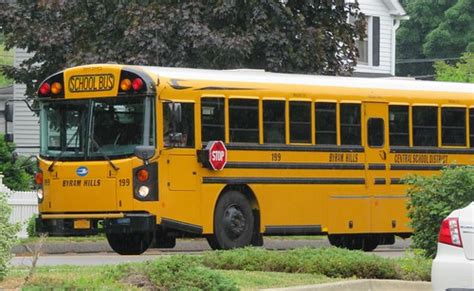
[
  {"x": 233, "y": 222},
  {"x": 130, "y": 243}
]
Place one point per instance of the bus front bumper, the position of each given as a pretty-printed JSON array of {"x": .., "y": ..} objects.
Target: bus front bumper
[{"x": 92, "y": 224}]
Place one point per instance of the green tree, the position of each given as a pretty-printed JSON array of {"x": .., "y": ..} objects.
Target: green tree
[
  {"x": 436, "y": 29},
  {"x": 455, "y": 34},
  {"x": 16, "y": 176},
  {"x": 282, "y": 36},
  {"x": 462, "y": 71}
]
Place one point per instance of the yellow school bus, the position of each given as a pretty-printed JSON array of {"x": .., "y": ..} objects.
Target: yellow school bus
[{"x": 148, "y": 154}]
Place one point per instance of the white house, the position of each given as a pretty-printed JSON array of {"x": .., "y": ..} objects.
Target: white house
[
  {"x": 377, "y": 60},
  {"x": 377, "y": 50}
]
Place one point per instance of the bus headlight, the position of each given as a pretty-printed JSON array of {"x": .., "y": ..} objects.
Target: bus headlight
[
  {"x": 40, "y": 194},
  {"x": 143, "y": 191}
]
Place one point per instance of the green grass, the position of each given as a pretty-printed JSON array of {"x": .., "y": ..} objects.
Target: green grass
[
  {"x": 247, "y": 280},
  {"x": 64, "y": 278},
  {"x": 6, "y": 58},
  {"x": 112, "y": 278}
]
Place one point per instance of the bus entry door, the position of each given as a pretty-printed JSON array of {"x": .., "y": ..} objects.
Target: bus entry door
[
  {"x": 181, "y": 198},
  {"x": 376, "y": 150}
]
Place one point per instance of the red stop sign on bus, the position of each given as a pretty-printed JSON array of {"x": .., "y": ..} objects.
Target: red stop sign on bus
[{"x": 217, "y": 154}]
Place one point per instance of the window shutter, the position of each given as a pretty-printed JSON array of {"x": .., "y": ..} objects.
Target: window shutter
[{"x": 376, "y": 41}]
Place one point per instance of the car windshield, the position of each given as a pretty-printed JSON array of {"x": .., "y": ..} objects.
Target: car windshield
[{"x": 90, "y": 129}]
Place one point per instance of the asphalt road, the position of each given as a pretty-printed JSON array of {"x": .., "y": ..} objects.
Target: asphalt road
[{"x": 191, "y": 247}]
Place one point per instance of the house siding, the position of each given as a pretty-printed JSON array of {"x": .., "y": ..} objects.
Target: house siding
[
  {"x": 26, "y": 123},
  {"x": 378, "y": 8}
]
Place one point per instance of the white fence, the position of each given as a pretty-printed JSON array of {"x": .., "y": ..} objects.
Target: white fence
[{"x": 24, "y": 205}]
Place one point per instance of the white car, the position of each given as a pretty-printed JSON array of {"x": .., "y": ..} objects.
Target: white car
[{"x": 453, "y": 267}]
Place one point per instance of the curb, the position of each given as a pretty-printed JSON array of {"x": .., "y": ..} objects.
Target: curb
[{"x": 365, "y": 284}]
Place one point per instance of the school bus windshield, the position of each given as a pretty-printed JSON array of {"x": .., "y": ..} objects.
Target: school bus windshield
[{"x": 90, "y": 129}]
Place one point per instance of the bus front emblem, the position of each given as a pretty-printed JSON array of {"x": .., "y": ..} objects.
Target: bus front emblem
[{"x": 82, "y": 171}]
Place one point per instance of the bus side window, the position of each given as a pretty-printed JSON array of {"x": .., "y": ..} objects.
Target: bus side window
[
  {"x": 212, "y": 119},
  {"x": 326, "y": 132},
  {"x": 300, "y": 122},
  {"x": 243, "y": 120},
  {"x": 399, "y": 126},
  {"x": 350, "y": 124},
  {"x": 471, "y": 126},
  {"x": 178, "y": 133},
  {"x": 273, "y": 121},
  {"x": 425, "y": 126},
  {"x": 453, "y": 126}
]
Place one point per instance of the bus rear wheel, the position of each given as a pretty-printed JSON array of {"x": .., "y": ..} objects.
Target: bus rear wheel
[
  {"x": 130, "y": 243},
  {"x": 233, "y": 222}
]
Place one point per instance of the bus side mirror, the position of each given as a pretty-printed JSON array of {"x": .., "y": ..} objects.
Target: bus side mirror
[{"x": 145, "y": 152}]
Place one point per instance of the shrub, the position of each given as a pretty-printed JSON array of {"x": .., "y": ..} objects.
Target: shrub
[
  {"x": 7, "y": 235},
  {"x": 31, "y": 226},
  {"x": 332, "y": 262},
  {"x": 16, "y": 175},
  {"x": 415, "y": 267},
  {"x": 176, "y": 273},
  {"x": 432, "y": 198}
]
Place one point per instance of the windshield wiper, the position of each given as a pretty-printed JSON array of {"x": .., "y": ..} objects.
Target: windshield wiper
[
  {"x": 50, "y": 168},
  {"x": 103, "y": 154}
]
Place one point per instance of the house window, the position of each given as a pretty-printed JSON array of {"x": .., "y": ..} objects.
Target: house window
[
  {"x": 369, "y": 47},
  {"x": 363, "y": 45}
]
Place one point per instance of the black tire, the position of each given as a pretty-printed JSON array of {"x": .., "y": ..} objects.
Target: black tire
[
  {"x": 130, "y": 243},
  {"x": 211, "y": 240},
  {"x": 233, "y": 222}
]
